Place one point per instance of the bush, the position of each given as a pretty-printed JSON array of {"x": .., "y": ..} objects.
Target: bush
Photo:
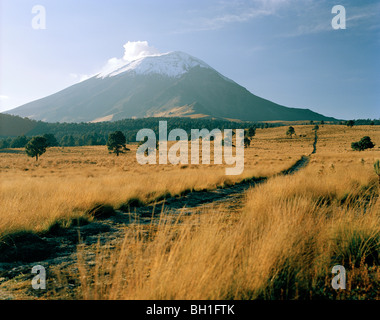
[{"x": 363, "y": 144}]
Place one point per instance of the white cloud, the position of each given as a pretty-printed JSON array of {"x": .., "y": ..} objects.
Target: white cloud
[
  {"x": 133, "y": 50},
  {"x": 3, "y": 97}
]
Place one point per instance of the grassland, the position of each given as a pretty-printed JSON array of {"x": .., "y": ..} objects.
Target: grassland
[
  {"x": 67, "y": 182},
  {"x": 281, "y": 245}
]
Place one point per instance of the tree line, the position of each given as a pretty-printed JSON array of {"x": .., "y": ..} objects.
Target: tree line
[
  {"x": 116, "y": 142},
  {"x": 69, "y": 140},
  {"x": 87, "y": 134}
]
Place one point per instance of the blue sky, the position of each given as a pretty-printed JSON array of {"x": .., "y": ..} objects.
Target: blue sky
[{"x": 282, "y": 50}]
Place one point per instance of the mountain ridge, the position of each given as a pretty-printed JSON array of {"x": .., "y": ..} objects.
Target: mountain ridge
[{"x": 172, "y": 84}]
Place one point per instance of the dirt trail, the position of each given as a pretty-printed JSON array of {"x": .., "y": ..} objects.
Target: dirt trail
[{"x": 60, "y": 247}]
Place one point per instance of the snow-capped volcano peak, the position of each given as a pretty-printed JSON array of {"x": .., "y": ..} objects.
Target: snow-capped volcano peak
[
  {"x": 171, "y": 64},
  {"x": 185, "y": 87}
]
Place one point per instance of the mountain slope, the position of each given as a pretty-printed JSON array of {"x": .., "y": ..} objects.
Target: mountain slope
[
  {"x": 15, "y": 126},
  {"x": 173, "y": 84}
]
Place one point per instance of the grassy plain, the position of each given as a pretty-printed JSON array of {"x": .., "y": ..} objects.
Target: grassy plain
[
  {"x": 282, "y": 244},
  {"x": 67, "y": 182}
]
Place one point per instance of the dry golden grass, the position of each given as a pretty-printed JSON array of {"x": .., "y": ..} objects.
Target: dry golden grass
[
  {"x": 66, "y": 182},
  {"x": 284, "y": 243}
]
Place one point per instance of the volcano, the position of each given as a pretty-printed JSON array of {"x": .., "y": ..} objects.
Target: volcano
[{"x": 173, "y": 84}]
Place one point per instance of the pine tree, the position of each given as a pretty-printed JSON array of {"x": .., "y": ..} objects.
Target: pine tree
[
  {"x": 116, "y": 142},
  {"x": 290, "y": 132},
  {"x": 36, "y": 147}
]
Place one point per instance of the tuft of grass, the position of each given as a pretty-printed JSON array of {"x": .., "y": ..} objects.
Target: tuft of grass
[
  {"x": 130, "y": 203},
  {"x": 100, "y": 211}
]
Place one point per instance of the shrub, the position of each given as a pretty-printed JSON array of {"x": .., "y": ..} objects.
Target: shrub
[{"x": 364, "y": 143}]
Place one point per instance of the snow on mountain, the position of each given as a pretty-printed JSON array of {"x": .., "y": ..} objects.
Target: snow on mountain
[
  {"x": 185, "y": 87},
  {"x": 172, "y": 64}
]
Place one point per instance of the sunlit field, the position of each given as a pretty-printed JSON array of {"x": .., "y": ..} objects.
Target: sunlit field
[
  {"x": 282, "y": 245},
  {"x": 67, "y": 182}
]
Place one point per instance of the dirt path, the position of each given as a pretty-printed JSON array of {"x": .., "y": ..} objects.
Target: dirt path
[{"x": 60, "y": 246}]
